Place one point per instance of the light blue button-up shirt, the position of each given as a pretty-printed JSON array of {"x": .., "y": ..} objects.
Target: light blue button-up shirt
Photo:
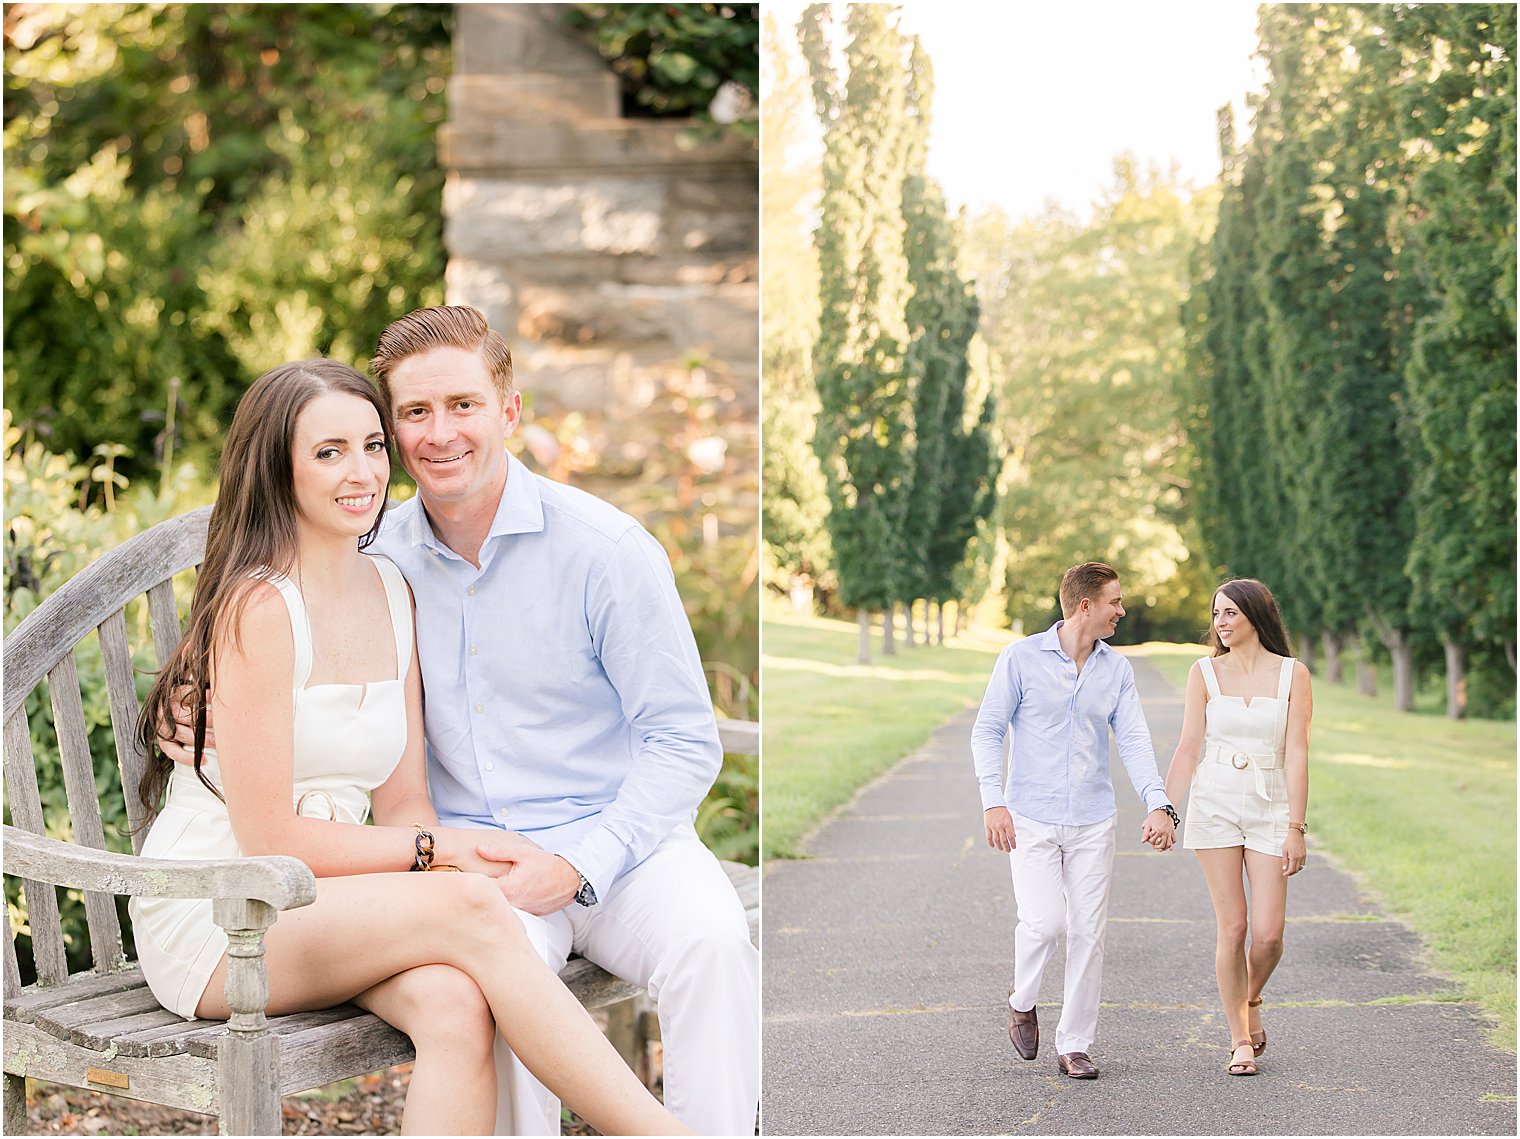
[
  {"x": 564, "y": 695},
  {"x": 1059, "y": 770}
]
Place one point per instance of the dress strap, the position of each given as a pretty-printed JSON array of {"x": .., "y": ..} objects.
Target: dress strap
[
  {"x": 1284, "y": 686},
  {"x": 300, "y": 626},
  {"x": 1207, "y": 667},
  {"x": 399, "y": 601}
]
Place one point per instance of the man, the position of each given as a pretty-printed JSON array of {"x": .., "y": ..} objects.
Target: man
[
  {"x": 1062, "y": 691},
  {"x": 565, "y": 701}
]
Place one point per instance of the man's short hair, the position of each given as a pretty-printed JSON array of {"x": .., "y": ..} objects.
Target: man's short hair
[
  {"x": 1084, "y": 581},
  {"x": 443, "y": 326}
]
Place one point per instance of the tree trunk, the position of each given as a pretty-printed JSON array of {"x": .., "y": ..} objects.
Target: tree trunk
[
  {"x": 1306, "y": 652},
  {"x": 1366, "y": 678},
  {"x": 1331, "y": 643},
  {"x": 1456, "y": 680},
  {"x": 1396, "y": 641},
  {"x": 863, "y": 647},
  {"x": 889, "y": 630},
  {"x": 908, "y": 632},
  {"x": 1403, "y": 671},
  {"x": 940, "y": 611}
]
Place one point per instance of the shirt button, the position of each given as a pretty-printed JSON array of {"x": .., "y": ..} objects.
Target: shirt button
[
  {"x": 480, "y": 707},
  {"x": 502, "y": 812},
  {"x": 473, "y": 650},
  {"x": 471, "y": 591},
  {"x": 490, "y": 766}
]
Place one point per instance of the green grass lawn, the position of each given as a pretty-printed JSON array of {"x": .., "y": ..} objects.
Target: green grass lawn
[
  {"x": 831, "y": 725},
  {"x": 1421, "y": 810}
]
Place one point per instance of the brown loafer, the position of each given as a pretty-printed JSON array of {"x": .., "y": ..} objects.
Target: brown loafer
[
  {"x": 1024, "y": 1031},
  {"x": 1077, "y": 1065}
]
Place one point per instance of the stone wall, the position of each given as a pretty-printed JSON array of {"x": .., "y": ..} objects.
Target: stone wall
[{"x": 619, "y": 257}]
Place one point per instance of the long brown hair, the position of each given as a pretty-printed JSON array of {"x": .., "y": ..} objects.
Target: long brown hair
[
  {"x": 253, "y": 525},
  {"x": 1260, "y": 608}
]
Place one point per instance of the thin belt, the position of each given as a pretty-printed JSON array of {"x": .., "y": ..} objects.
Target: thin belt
[
  {"x": 1260, "y": 762},
  {"x": 348, "y": 806}
]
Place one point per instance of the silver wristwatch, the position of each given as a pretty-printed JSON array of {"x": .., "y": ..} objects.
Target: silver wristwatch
[{"x": 585, "y": 896}]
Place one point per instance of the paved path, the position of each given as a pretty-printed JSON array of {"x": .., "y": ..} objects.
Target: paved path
[{"x": 888, "y": 953}]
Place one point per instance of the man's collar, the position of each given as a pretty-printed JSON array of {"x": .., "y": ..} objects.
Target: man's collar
[
  {"x": 1051, "y": 639},
  {"x": 522, "y": 504}
]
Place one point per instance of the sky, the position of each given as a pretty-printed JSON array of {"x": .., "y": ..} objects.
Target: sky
[{"x": 1033, "y": 101}]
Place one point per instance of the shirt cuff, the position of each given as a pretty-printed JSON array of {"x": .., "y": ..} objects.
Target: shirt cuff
[
  {"x": 992, "y": 796},
  {"x": 599, "y": 858}
]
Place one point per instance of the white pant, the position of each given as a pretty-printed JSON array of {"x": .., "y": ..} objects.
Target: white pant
[
  {"x": 674, "y": 925},
  {"x": 1060, "y": 883}
]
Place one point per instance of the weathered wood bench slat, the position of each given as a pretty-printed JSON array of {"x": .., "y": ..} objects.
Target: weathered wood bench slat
[
  {"x": 12, "y": 966},
  {"x": 277, "y": 879},
  {"x": 24, "y": 1005},
  {"x": 184, "y": 1082},
  {"x": 25, "y": 801},
  {"x": 61, "y": 1019},
  {"x": 104, "y": 1034},
  {"x": 121, "y": 691},
  {"x": 163, "y": 616},
  {"x": 82, "y": 603},
  {"x": 84, "y": 807}
]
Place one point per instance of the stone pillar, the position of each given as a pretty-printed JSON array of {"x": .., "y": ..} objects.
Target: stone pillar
[{"x": 618, "y": 256}]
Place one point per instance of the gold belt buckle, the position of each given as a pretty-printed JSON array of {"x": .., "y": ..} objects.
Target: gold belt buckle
[
  {"x": 332, "y": 806},
  {"x": 1240, "y": 761}
]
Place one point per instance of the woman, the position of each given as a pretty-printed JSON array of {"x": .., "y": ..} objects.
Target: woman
[
  {"x": 306, "y": 646},
  {"x": 1244, "y": 757}
]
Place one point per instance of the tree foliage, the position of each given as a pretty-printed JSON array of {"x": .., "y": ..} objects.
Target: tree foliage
[
  {"x": 672, "y": 59},
  {"x": 1357, "y": 306},
  {"x": 1082, "y": 320},
  {"x": 195, "y": 193},
  {"x": 864, "y": 431}
]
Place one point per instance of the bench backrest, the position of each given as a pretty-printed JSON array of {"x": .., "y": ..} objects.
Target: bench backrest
[{"x": 44, "y": 646}]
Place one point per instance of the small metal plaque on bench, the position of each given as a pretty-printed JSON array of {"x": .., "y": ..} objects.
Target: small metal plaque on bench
[{"x": 109, "y": 1079}]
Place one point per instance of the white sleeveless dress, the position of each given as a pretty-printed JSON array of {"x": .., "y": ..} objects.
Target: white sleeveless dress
[
  {"x": 348, "y": 740},
  {"x": 1239, "y": 794}
]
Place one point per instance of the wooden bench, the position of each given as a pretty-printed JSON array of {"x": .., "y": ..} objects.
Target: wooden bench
[{"x": 102, "y": 1028}]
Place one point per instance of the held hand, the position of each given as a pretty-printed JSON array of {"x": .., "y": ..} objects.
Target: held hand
[
  {"x": 999, "y": 822},
  {"x": 461, "y": 847},
  {"x": 1293, "y": 854},
  {"x": 539, "y": 882},
  {"x": 177, "y": 740},
  {"x": 1158, "y": 831}
]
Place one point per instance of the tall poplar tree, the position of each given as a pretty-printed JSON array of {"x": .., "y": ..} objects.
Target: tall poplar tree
[
  {"x": 1458, "y": 84},
  {"x": 953, "y": 463},
  {"x": 864, "y": 434}
]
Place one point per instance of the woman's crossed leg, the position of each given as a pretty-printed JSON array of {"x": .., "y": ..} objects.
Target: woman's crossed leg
[{"x": 372, "y": 937}]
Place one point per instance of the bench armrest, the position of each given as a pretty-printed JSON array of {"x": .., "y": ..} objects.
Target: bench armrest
[{"x": 277, "y": 880}]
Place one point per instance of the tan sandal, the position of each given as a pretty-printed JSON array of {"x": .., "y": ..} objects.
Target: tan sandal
[
  {"x": 1241, "y": 1067},
  {"x": 1258, "y": 1046}
]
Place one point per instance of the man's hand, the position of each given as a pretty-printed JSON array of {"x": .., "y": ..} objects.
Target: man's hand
[
  {"x": 1158, "y": 830},
  {"x": 537, "y": 881},
  {"x": 999, "y": 828},
  {"x": 177, "y": 740}
]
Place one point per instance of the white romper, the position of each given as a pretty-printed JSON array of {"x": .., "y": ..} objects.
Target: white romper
[
  {"x": 348, "y": 740},
  {"x": 1239, "y": 794}
]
